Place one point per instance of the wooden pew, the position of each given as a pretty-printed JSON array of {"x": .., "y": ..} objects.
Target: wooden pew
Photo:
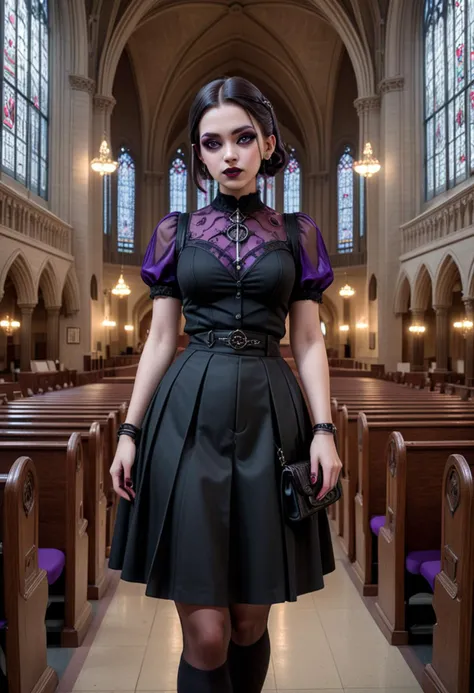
[
  {"x": 347, "y": 431},
  {"x": 452, "y": 664},
  {"x": 61, "y": 519},
  {"x": 370, "y": 499},
  {"x": 414, "y": 472},
  {"x": 95, "y": 502},
  {"x": 25, "y": 586}
]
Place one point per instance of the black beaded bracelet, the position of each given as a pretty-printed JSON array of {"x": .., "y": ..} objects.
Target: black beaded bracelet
[
  {"x": 128, "y": 429},
  {"x": 325, "y": 427}
]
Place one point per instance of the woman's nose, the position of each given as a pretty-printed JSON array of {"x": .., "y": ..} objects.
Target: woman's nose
[{"x": 230, "y": 154}]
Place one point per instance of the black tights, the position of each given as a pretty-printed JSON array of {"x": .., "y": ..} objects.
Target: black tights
[{"x": 225, "y": 650}]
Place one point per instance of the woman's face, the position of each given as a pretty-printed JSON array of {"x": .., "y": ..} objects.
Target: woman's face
[{"x": 230, "y": 139}]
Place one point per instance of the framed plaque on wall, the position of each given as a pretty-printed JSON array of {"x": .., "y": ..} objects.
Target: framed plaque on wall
[{"x": 73, "y": 335}]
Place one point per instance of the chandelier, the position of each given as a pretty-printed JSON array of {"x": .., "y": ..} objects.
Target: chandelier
[
  {"x": 346, "y": 291},
  {"x": 103, "y": 164},
  {"x": 368, "y": 165},
  {"x": 128, "y": 328},
  {"x": 344, "y": 328},
  {"x": 121, "y": 289},
  {"x": 362, "y": 324},
  {"x": 9, "y": 325},
  {"x": 108, "y": 323}
]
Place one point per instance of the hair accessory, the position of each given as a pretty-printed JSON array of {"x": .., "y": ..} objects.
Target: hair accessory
[{"x": 267, "y": 103}]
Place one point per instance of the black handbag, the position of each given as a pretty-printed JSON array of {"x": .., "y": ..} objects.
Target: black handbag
[{"x": 298, "y": 496}]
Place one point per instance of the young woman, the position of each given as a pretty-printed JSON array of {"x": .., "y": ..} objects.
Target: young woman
[{"x": 200, "y": 520}]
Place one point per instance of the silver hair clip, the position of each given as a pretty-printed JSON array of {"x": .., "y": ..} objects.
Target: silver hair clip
[{"x": 267, "y": 103}]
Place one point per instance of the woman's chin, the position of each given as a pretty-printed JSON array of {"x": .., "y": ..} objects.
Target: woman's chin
[{"x": 235, "y": 185}]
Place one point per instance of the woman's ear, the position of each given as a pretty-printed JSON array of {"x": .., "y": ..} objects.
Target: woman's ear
[{"x": 270, "y": 145}]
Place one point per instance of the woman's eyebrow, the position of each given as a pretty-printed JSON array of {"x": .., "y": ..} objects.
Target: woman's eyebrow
[{"x": 234, "y": 132}]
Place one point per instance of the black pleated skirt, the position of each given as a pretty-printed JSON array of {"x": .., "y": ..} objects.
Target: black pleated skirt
[{"x": 206, "y": 526}]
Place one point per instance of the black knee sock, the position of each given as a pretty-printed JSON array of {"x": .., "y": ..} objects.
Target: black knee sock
[
  {"x": 248, "y": 665},
  {"x": 192, "y": 680}
]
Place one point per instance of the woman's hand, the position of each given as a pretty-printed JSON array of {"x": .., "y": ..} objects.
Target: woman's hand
[
  {"x": 121, "y": 469},
  {"x": 323, "y": 452}
]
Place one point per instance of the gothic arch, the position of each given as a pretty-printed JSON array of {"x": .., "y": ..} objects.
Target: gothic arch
[
  {"x": 470, "y": 283},
  {"x": 49, "y": 285},
  {"x": 402, "y": 295},
  {"x": 22, "y": 277},
  {"x": 403, "y": 26},
  {"x": 71, "y": 292},
  {"x": 447, "y": 275},
  {"x": 333, "y": 10},
  {"x": 422, "y": 289}
]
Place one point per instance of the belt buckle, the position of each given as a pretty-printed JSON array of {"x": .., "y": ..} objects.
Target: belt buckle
[{"x": 237, "y": 339}]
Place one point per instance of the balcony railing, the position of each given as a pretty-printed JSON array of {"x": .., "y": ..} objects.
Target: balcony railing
[
  {"x": 447, "y": 218},
  {"x": 30, "y": 219}
]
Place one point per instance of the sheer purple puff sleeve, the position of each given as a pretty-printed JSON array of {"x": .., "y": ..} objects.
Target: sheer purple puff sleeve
[
  {"x": 315, "y": 273},
  {"x": 159, "y": 264}
]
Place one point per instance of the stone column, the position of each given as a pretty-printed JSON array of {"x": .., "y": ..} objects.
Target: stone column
[
  {"x": 52, "y": 332},
  {"x": 442, "y": 338},
  {"x": 469, "y": 353},
  {"x": 154, "y": 196},
  {"x": 383, "y": 225},
  {"x": 417, "y": 342},
  {"x": 25, "y": 335},
  {"x": 318, "y": 204}
]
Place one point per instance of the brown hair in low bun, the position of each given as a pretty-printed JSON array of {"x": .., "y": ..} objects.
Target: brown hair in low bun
[{"x": 243, "y": 93}]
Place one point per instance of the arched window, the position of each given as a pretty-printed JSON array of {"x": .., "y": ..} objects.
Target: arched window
[
  {"x": 125, "y": 202},
  {"x": 449, "y": 93},
  {"x": 266, "y": 186},
  {"x": 212, "y": 188},
  {"x": 178, "y": 183},
  {"x": 292, "y": 185},
  {"x": 345, "y": 202},
  {"x": 24, "y": 133}
]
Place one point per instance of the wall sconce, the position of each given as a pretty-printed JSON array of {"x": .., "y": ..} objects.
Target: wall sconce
[
  {"x": 417, "y": 329},
  {"x": 464, "y": 326},
  {"x": 128, "y": 328},
  {"x": 343, "y": 328},
  {"x": 362, "y": 325},
  {"x": 9, "y": 326}
]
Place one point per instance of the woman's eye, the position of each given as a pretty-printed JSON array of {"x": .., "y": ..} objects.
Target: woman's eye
[
  {"x": 249, "y": 138},
  {"x": 209, "y": 144}
]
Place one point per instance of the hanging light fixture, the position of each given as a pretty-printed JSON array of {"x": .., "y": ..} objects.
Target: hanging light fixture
[
  {"x": 369, "y": 165},
  {"x": 362, "y": 324},
  {"x": 128, "y": 328},
  {"x": 108, "y": 323},
  {"x": 346, "y": 291},
  {"x": 121, "y": 289},
  {"x": 104, "y": 164},
  {"x": 9, "y": 325},
  {"x": 344, "y": 328}
]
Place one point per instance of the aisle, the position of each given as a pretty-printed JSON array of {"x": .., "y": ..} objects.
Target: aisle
[{"x": 327, "y": 641}]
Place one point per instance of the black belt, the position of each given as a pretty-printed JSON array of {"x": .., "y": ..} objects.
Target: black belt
[{"x": 238, "y": 342}]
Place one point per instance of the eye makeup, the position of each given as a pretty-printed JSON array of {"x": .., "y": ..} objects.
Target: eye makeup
[{"x": 210, "y": 141}]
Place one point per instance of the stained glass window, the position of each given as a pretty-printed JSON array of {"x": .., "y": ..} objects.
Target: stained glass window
[
  {"x": 345, "y": 202},
  {"x": 178, "y": 183},
  {"x": 266, "y": 186},
  {"x": 449, "y": 93},
  {"x": 25, "y": 92},
  {"x": 107, "y": 198},
  {"x": 292, "y": 185},
  {"x": 212, "y": 188},
  {"x": 125, "y": 202}
]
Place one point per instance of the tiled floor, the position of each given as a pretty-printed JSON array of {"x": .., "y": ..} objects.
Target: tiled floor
[{"x": 326, "y": 642}]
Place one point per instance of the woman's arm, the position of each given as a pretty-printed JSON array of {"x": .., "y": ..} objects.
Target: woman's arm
[
  {"x": 309, "y": 351},
  {"x": 157, "y": 355}
]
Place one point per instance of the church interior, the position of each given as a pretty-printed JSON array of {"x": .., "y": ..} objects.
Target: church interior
[{"x": 375, "y": 102}]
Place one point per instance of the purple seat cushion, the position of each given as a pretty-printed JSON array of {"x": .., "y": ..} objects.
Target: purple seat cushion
[
  {"x": 376, "y": 524},
  {"x": 414, "y": 559},
  {"x": 430, "y": 570},
  {"x": 53, "y": 561}
]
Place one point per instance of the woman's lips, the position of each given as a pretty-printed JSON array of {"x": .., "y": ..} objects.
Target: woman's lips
[{"x": 233, "y": 172}]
